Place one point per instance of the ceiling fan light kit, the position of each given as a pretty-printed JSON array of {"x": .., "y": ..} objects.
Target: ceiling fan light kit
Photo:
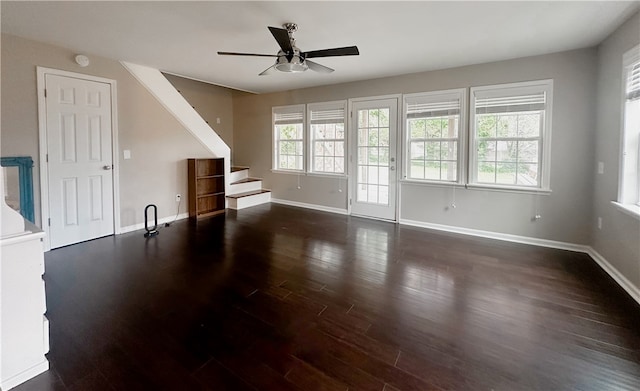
[
  {"x": 296, "y": 64},
  {"x": 290, "y": 59}
]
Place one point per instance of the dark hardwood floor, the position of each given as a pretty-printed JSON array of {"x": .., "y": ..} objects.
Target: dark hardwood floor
[{"x": 280, "y": 298}]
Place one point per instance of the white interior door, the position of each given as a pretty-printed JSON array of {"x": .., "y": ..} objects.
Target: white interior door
[
  {"x": 373, "y": 175},
  {"x": 80, "y": 161}
]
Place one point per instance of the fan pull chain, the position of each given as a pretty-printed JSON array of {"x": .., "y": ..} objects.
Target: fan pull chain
[{"x": 453, "y": 196}]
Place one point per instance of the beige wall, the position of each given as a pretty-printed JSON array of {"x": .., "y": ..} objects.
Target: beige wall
[
  {"x": 566, "y": 212},
  {"x": 159, "y": 144},
  {"x": 619, "y": 239},
  {"x": 211, "y": 102}
]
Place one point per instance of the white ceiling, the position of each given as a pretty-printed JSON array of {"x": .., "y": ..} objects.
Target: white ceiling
[{"x": 393, "y": 37}]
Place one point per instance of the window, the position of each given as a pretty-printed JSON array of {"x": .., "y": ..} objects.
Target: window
[
  {"x": 326, "y": 128},
  {"x": 434, "y": 136},
  {"x": 629, "y": 192},
  {"x": 288, "y": 136},
  {"x": 511, "y": 133}
]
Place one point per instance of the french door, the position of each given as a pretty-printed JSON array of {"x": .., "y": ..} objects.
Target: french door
[{"x": 373, "y": 177}]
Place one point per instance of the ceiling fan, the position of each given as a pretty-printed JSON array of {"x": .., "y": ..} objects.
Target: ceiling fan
[{"x": 290, "y": 58}]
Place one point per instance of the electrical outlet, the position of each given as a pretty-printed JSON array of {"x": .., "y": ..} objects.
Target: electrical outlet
[
  {"x": 178, "y": 197},
  {"x": 599, "y": 222}
]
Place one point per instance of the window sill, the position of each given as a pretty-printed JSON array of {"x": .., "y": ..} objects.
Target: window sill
[
  {"x": 507, "y": 189},
  {"x": 315, "y": 174},
  {"x": 630, "y": 209},
  {"x": 327, "y": 175},
  {"x": 290, "y": 172},
  {"x": 477, "y": 187},
  {"x": 431, "y": 183}
]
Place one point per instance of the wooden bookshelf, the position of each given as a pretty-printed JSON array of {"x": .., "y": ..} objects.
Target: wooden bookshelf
[{"x": 206, "y": 187}]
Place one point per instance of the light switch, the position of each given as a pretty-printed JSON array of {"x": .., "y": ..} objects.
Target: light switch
[
  {"x": 126, "y": 154},
  {"x": 218, "y": 120},
  {"x": 600, "y": 167}
]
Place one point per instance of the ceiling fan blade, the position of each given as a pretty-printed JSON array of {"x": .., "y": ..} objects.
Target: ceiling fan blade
[
  {"x": 268, "y": 71},
  {"x": 314, "y": 66},
  {"x": 282, "y": 37},
  {"x": 345, "y": 51},
  {"x": 246, "y": 54}
]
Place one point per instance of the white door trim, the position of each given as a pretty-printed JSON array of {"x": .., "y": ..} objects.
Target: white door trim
[
  {"x": 42, "y": 139},
  {"x": 399, "y": 144}
]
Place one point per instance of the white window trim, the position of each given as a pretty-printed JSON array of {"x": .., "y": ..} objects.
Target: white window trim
[
  {"x": 623, "y": 204},
  {"x": 544, "y": 160},
  {"x": 274, "y": 138},
  {"x": 339, "y": 104},
  {"x": 460, "y": 93}
]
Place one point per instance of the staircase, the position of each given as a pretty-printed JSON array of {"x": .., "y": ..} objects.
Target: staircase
[{"x": 245, "y": 191}]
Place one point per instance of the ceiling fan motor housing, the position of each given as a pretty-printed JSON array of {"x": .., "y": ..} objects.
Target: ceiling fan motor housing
[{"x": 293, "y": 62}]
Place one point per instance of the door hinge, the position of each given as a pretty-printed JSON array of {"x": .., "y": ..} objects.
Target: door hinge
[
  {"x": 350, "y": 201},
  {"x": 45, "y": 92},
  {"x": 46, "y": 158},
  {"x": 49, "y": 221},
  {"x": 351, "y": 114}
]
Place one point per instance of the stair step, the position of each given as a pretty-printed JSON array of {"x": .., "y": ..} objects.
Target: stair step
[
  {"x": 238, "y": 168},
  {"x": 246, "y": 180},
  {"x": 248, "y": 193}
]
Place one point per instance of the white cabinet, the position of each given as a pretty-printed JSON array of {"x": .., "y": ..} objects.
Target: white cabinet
[{"x": 24, "y": 330}]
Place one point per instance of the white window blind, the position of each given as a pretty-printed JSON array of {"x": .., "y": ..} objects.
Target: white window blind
[
  {"x": 288, "y": 118},
  {"x": 433, "y": 109},
  {"x": 511, "y": 104},
  {"x": 633, "y": 81},
  {"x": 327, "y": 116}
]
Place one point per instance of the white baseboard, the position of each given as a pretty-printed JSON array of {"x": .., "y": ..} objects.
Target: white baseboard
[
  {"x": 161, "y": 221},
  {"x": 627, "y": 285},
  {"x": 7, "y": 384},
  {"x": 310, "y": 206},
  {"x": 499, "y": 236}
]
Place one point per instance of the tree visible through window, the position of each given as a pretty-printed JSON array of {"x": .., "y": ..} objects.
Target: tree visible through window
[
  {"x": 327, "y": 128},
  {"x": 508, "y": 148},
  {"x": 288, "y": 123},
  {"x": 511, "y": 134},
  {"x": 433, "y": 135},
  {"x": 373, "y": 156}
]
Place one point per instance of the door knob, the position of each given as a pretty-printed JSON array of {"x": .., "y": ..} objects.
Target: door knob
[
  {"x": 107, "y": 167},
  {"x": 392, "y": 168},
  {"x": 393, "y": 159}
]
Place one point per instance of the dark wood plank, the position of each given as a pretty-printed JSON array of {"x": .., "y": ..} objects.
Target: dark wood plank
[{"x": 280, "y": 298}]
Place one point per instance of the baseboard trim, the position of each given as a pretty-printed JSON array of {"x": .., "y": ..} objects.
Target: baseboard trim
[
  {"x": 499, "y": 236},
  {"x": 627, "y": 285},
  {"x": 23, "y": 376},
  {"x": 161, "y": 221},
  {"x": 310, "y": 206}
]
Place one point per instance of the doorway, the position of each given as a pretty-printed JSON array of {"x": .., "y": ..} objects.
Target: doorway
[
  {"x": 373, "y": 177},
  {"x": 77, "y": 140}
]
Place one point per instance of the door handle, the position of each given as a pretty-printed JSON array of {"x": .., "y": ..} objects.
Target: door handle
[
  {"x": 107, "y": 167},
  {"x": 392, "y": 168}
]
